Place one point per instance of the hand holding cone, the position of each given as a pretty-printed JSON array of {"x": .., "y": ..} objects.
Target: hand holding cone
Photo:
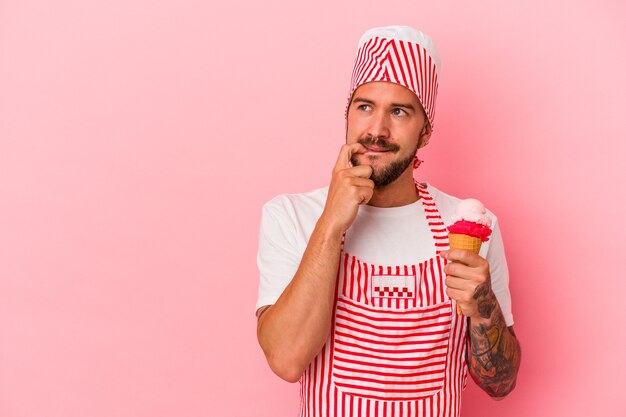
[{"x": 471, "y": 228}]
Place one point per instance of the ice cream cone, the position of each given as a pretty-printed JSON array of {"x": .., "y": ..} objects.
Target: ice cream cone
[
  {"x": 471, "y": 227},
  {"x": 458, "y": 241}
]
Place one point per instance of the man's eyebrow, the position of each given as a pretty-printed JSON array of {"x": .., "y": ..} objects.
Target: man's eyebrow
[
  {"x": 362, "y": 100},
  {"x": 404, "y": 105}
]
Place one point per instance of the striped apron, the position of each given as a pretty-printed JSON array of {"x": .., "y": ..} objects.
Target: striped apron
[{"x": 396, "y": 346}]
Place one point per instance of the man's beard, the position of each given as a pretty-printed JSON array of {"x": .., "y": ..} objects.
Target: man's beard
[{"x": 391, "y": 172}]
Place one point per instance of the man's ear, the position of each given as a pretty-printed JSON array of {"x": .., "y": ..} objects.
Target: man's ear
[{"x": 427, "y": 130}]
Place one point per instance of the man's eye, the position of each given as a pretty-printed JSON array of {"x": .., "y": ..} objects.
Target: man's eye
[
  {"x": 363, "y": 107},
  {"x": 398, "y": 112}
]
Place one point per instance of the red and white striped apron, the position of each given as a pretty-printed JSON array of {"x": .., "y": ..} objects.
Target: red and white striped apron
[{"x": 397, "y": 345}]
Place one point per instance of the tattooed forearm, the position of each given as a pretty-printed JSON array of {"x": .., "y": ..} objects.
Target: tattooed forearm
[
  {"x": 485, "y": 304},
  {"x": 494, "y": 353}
]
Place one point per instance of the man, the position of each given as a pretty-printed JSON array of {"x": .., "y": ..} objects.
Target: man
[{"x": 358, "y": 293}]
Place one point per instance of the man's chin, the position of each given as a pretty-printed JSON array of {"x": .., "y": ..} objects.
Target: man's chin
[
  {"x": 384, "y": 174},
  {"x": 380, "y": 176}
]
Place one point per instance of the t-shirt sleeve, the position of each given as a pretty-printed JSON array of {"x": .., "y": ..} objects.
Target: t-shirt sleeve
[
  {"x": 278, "y": 257},
  {"x": 499, "y": 273}
]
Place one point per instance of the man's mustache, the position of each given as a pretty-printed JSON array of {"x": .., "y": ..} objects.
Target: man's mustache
[{"x": 379, "y": 142}]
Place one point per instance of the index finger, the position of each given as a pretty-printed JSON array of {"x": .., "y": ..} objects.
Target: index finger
[
  {"x": 463, "y": 256},
  {"x": 345, "y": 154}
]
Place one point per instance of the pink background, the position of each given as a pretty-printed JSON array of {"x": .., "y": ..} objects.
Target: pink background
[{"x": 139, "y": 139}]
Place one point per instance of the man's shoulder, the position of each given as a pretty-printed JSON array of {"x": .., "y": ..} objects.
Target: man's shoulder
[
  {"x": 447, "y": 203},
  {"x": 309, "y": 203},
  {"x": 438, "y": 194}
]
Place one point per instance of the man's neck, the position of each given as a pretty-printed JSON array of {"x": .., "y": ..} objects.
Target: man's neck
[{"x": 399, "y": 193}]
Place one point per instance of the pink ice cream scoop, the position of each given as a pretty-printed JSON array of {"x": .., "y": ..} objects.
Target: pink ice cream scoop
[{"x": 470, "y": 218}]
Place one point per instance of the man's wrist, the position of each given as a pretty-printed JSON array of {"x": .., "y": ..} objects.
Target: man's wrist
[{"x": 328, "y": 229}]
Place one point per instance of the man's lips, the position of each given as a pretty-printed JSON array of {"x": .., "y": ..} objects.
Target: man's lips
[{"x": 375, "y": 149}]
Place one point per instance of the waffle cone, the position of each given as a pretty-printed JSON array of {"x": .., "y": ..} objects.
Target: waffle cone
[{"x": 464, "y": 242}]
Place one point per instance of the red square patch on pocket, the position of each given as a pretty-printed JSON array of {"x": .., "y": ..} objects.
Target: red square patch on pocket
[{"x": 400, "y": 287}]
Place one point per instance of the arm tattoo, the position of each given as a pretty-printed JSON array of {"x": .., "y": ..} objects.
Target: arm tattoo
[
  {"x": 494, "y": 353},
  {"x": 485, "y": 305}
]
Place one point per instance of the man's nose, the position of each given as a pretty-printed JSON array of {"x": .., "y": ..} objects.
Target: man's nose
[{"x": 379, "y": 125}]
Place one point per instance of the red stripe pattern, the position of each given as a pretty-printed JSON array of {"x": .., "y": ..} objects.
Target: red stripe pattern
[
  {"x": 390, "y": 354},
  {"x": 401, "y": 62}
]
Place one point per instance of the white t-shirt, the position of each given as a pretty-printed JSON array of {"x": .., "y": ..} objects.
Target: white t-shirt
[{"x": 380, "y": 236}]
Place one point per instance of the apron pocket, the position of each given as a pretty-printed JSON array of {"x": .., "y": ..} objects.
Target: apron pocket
[{"x": 390, "y": 354}]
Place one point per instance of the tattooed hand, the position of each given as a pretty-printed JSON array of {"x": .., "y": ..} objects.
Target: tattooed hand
[{"x": 468, "y": 282}]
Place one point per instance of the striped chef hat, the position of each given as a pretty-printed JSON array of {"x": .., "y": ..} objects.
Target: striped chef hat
[{"x": 401, "y": 55}]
